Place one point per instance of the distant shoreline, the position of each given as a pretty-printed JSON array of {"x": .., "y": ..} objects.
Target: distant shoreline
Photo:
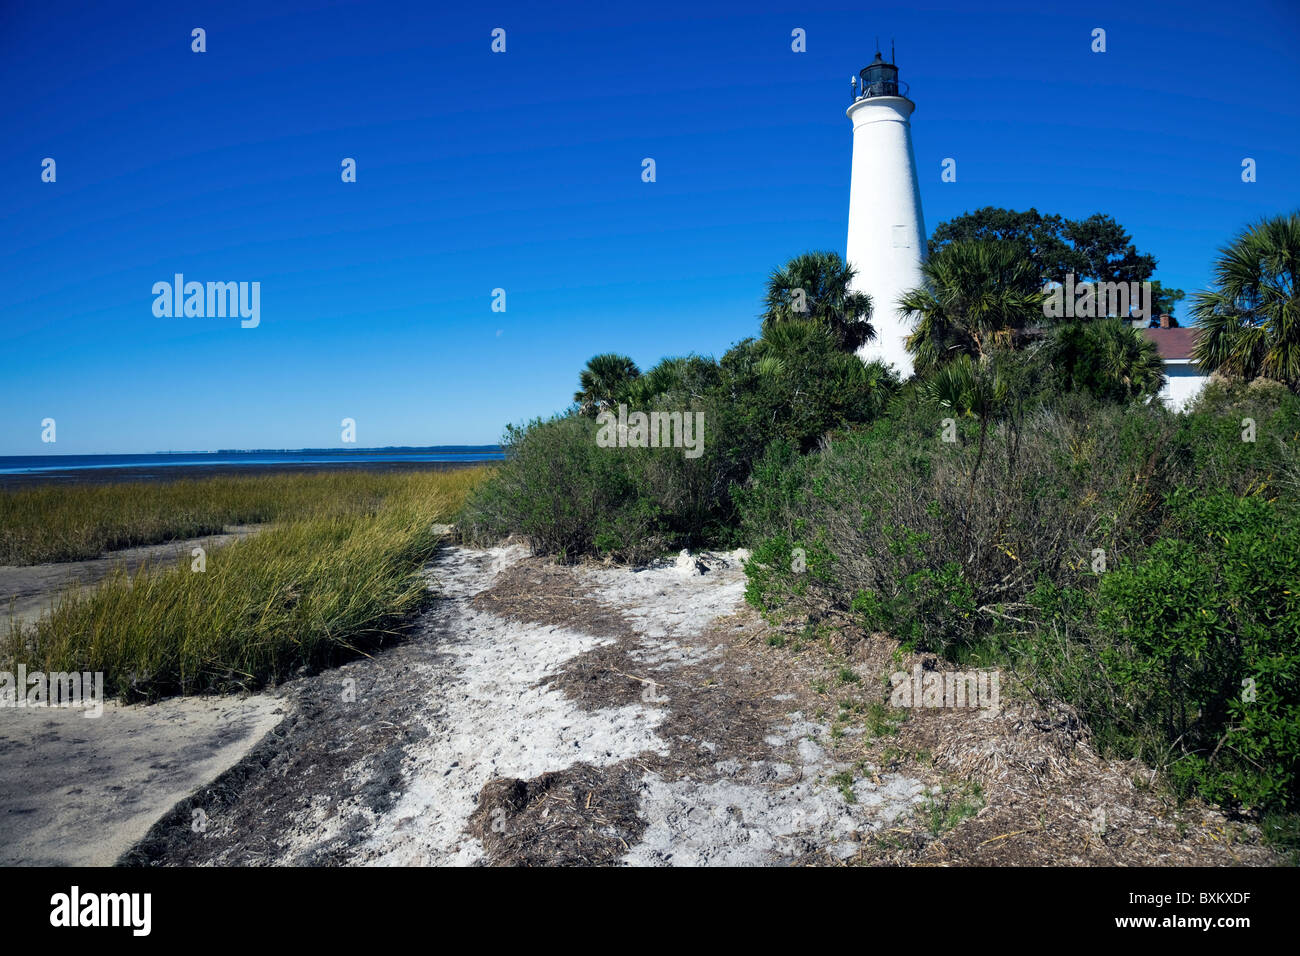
[{"x": 103, "y": 475}]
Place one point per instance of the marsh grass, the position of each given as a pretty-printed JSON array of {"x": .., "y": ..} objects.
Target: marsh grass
[
  {"x": 76, "y": 522},
  {"x": 335, "y": 575}
]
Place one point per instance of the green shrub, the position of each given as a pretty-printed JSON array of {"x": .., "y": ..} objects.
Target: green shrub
[
  {"x": 567, "y": 495},
  {"x": 1213, "y": 454},
  {"x": 900, "y": 528},
  {"x": 1198, "y": 591},
  {"x": 1202, "y": 642},
  {"x": 1188, "y": 656},
  {"x": 570, "y": 497}
]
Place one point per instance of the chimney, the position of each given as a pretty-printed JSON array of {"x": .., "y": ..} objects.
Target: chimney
[{"x": 1164, "y": 321}]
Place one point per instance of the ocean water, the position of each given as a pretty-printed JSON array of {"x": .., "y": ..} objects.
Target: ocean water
[{"x": 39, "y": 464}]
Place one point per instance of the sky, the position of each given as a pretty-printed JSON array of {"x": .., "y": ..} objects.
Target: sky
[{"x": 522, "y": 171}]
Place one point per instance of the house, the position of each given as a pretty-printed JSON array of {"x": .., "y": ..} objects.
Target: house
[{"x": 1184, "y": 379}]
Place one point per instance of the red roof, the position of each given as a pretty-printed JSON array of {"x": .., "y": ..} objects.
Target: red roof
[{"x": 1173, "y": 343}]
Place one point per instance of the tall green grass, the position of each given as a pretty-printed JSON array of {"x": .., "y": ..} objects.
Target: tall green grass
[
  {"x": 75, "y": 522},
  {"x": 336, "y": 579}
]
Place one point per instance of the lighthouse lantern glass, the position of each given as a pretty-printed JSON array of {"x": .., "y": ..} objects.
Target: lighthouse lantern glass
[{"x": 880, "y": 79}]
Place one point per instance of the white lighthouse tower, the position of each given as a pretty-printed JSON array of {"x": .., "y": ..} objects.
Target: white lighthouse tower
[{"x": 886, "y": 231}]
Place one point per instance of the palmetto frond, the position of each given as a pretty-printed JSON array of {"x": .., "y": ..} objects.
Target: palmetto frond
[
  {"x": 814, "y": 287},
  {"x": 1250, "y": 319},
  {"x": 966, "y": 387},
  {"x": 771, "y": 366},
  {"x": 976, "y": 294},
  {"x": 605, "y": 381},
  {"x": 794, "y": 336},
  {"x": 1130, "y": 361}
]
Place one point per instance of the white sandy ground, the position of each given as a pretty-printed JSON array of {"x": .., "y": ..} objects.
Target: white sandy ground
[
  {"x": 497, "y": 722},
  {"x": 757, "y": 813},
  {"x": 78, "y": 791},
  {"x": 493, "y": 720},
  {"x": 81, "y": 791}
]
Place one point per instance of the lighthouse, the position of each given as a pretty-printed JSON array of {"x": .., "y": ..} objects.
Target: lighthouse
[{"x": 886, "y": 232}]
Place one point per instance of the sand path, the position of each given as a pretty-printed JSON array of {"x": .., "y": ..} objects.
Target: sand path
[{"x": 521, "y": 680}]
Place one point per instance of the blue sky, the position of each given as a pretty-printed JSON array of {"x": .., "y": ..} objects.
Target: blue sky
[{"x": 522, "y": 171}]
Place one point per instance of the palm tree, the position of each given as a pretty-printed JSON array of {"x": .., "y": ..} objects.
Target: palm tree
[
  {"x": 1130, "y": 362},
  {"x": 814, "y": 287},
  {"x": 1250, "y": 320},
  {"x": 795, "y": 337},
  {"x": 604, "y": 382},
  {"x": 978, "y": 294},
  {"x": 1107, "y": 357}
]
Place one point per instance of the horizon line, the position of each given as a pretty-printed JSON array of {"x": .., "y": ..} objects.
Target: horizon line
[{"x": 256, "y": 451}]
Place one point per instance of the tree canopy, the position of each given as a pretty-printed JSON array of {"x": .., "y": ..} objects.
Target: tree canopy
[{"x": 1095, "y": 249}]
